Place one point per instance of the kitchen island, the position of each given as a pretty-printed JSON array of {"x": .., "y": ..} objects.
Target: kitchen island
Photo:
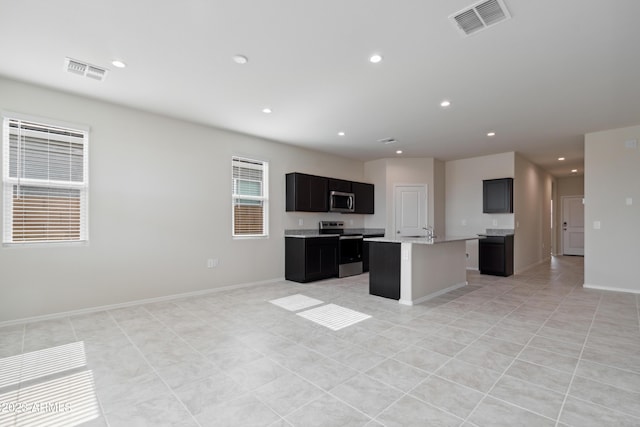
[{"x": 416, "y": 269}]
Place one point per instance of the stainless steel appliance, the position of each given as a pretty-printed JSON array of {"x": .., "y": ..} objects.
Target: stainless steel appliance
[
  {"x": 349, "y": 248},
  {"x": 341, "y": 202}
]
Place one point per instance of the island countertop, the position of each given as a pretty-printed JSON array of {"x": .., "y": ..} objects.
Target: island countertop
[
  {"x": 421, "y": 240},
  {"x": 312, "y": 233}
]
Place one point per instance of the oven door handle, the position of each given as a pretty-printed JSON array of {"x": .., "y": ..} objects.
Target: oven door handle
[{"x": 350, "y": 237}]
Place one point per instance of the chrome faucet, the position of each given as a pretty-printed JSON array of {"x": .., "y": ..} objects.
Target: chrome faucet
[{"x": 430, "y": 233}]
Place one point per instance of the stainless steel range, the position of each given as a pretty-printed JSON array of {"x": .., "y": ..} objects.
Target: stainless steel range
[{"x": 349, "y": 248}]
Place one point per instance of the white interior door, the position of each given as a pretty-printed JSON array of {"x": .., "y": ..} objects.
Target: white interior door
[
  {"x": 410, "y": 203},
  {"x": 573, "y": 225}
]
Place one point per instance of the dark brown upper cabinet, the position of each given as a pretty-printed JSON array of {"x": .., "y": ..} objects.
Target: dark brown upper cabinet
[
  {"x": 307, "y": 193},
  {"x": 497, "y": 196},
  {"x": 340, "y": 185},
  {"x": 364, "y": 197},
  {"x": 310, "y": 193}
]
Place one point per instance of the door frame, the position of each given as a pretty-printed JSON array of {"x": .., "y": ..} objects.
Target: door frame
[
  {"x": 561, "y": 218},
  {"x": 394, "y": 224}
]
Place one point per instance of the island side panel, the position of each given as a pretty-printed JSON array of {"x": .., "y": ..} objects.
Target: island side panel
[
  {"x": 384, "y": 269},
  {"x": 436, "y": 269}
]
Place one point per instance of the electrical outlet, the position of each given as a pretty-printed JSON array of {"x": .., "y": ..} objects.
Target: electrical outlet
[
  {"x": 212, "y": 262},
  {"x": 300, "y": 221},
  {"x": 464, "y": 222},
  {"x": 495, "y": 222}
]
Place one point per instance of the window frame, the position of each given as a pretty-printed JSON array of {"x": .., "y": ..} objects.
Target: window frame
[
  {"x": 264, "y": 198},
  {"x": 9, "y": 182}
]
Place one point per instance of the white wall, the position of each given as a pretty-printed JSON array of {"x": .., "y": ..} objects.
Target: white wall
[
  {"x": 439, "y": 198},
  {"x": 386, "y": 173},
  {"x": 612, "y": 174},
  {"x": 532, "y": 209},
  {"x": 571, "y": 186},
  {"x": 159, "y": 208},
  {"x": 463, "y": 195}
]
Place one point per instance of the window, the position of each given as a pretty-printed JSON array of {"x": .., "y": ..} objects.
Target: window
[
  {"x": 45, "y": 182},
  {"x": 250, "y": 197}
]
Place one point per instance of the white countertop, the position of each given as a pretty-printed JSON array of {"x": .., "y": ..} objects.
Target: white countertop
[{"x": 421, "y": 240}]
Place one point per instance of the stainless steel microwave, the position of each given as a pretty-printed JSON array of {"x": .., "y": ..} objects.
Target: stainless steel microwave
[{"x": 341, "y": 202}]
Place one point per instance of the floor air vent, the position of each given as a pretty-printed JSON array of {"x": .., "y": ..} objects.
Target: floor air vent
[
  {"x": 83, "y": 69},
  {"x": 480, "y": 16}
]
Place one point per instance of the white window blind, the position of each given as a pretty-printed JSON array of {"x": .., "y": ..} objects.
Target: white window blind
[
  {"x": 45, "y": 182},
  {"x": 249, "y": 197}
]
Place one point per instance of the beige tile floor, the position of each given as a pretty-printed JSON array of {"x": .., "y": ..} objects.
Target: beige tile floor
[{"x": 534, "y": 349}]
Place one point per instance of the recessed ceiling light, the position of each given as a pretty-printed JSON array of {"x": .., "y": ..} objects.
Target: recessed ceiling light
[
  {"x": 574, "y": 170},
  {"x": 117, "y": 63},
  {"x": 561, "y": 158},
  {"x": 375, "y": 58},
  {"x": 491, "y": 134},
  {"x": 398, "y": 151},
  {"x": 446, "y": 103},
  {"x": 341, "y": 133},
  {"x": 240, "y": 59},
  {"x": 267, "y": 110}
]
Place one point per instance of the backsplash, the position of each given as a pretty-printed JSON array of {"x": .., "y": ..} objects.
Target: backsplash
[{"x": 499, "y": 231}]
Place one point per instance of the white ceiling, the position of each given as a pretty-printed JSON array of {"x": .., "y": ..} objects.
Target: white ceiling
[{"x": 541, "y": 80}]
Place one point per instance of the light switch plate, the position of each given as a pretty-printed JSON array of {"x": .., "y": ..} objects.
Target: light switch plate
[
  {"x": 629, "y": 201},
  {"x": 596, "y": 225}
]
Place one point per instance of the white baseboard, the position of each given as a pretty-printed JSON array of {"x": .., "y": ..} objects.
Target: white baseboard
[
  {"x": 608, "y": 288},
  {"x": 135, "y": 302},
  {"x": 433, "y": 295}
]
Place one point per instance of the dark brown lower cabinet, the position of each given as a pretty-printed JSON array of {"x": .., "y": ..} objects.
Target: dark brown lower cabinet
[
  {"x": 310, "y": 259},
  {"x": 496, "y": 255}
]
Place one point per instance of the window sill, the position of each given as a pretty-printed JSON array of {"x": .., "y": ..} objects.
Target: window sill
[
  {"x": 250, "y": 237},
  {"x": 46, "y": 244}
]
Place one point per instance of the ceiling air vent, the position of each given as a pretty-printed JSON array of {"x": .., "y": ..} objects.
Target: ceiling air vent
[
  {"x": 84, "y": 69},
  {"x": 480, "y": 16},
  {"x": 387, "y": 141}
]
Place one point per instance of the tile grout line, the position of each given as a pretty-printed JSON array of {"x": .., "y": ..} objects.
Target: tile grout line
[
  {"x": 244, "y": 392},
  {"x": 151, "y": 366},
  {"x": 387, "y": 358},
  {"x": 534, "y": 334},
  {"x": 432, "y": 374},
  {"x": 95, "y": 391},
  {"x": 573, "y": 297},
  {"x": 584, "y": 345},
  {"x": 252, "y": 392},
  {"x": 24, "y": 337}
]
